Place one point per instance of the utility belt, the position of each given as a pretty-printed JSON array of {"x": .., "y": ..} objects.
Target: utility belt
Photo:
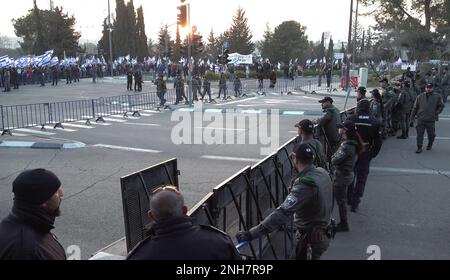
[{"x": 314, "y": 234}]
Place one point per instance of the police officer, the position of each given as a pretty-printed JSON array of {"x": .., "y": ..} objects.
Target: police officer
[
  {"x": 26, "y": 233},
  {"x": 237, "y": 87},
  {"x": 427, "y": 108},
  {"x": 161, "y": 89},
  {"x": 405, "y": 103},
  {"x": 55, "y": 77},
  {"x": 389, "y": 100},
  {"x": 369, "y": 128},
  {"x": 361, "y": 94},
  {"x": 130, "y": 79},
  {"x": 306, "y": 134},
  {"x": 329, "y": 123},
  {"x": 343, "y": 164},
  {"x": 195, "y": 88},
  {"x": 206, "y": 89},
  {"x": 175, "y": 237},
  {"x": 310, "y": 201},
  {"x": 223, "y": 86},
  {"x": 445, "y": 82},
  {"x": 179, "y": 88}
]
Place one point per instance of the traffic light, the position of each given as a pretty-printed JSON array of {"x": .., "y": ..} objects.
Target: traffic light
[{"x": 182, "y": 15}]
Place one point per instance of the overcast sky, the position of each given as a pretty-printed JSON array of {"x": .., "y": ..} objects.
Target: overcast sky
[{"x": 317, "y": 15}]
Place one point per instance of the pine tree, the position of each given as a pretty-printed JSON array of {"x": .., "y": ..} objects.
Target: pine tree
[
  {"x": 141, "y": 37},
  {"x": 131, "y": 29},
  {"x": 104, "y": 41},
  {"x": 239, "y": 34},
  {"x": 330, "y": 52},
  {"x": 212, "y": 48},
  {"x": 39, "y": 45},
  {"x": 176, "y": 56},
  {"x": 120, "y": 29},
  {"x": 151, "y": 48},
  {"x": 165, "y": 44}
]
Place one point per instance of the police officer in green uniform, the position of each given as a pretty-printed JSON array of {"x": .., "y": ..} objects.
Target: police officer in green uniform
[
  {"x": 343, "y": 165},
  {"x": 329, "y": 124},
  {"x": 405, "y": 103},
  {"x": 388, "y": 99},
  {"x": 310, "y": 201},
  {"x": 306, "y": 134},
  {"x": 427, "y": 108},
  {"x": 161, "y": 89}
]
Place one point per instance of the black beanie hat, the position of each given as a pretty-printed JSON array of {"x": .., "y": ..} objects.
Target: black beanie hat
[{"x": 35, "y": 186}]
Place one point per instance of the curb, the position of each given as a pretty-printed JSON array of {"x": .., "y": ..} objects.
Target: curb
[{"x": 41, "y": 146}]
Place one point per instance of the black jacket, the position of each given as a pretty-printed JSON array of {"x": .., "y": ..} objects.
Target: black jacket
[
  {"x": 25, "y": 235},
  {"x": 180, "y": 239},
  {"x": 369, "y": 128}
]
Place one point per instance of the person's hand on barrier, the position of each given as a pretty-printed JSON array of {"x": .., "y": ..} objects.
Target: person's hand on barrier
[{"x": 244, "y": 236}]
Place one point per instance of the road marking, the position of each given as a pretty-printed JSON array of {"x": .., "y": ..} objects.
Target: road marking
[
  {"x": 231, "y": 158},
  {"x": 73, "y": 145},
  {"x": 123, "y": 117},
  {"x": 114, "y": 120},
  {"x": 96, "y": 123},
  {"x": 145, "y": 115},
  {"x": 143, "y": 124},
  {"x": 426, "y": 138},
  {"x": 213, "y": 110},
  {"x": 21, "y": 135},
  {"x": 34, "y": 131},
  {"x": 237, "y": 101},
  {"x": 151, "y": 111},
  {"x": 222, "y": 128},
  {"x": 65, "y": 129},
  {"x": 411, "y": 171},
  {"x": 294, "y": 113},
  {"x": 77, "y": 125},
  {"x": 126, "y": 149},
  {"x": 189, "y": 110},
  {"x": 251, "y": 111},
  {"x": 16, "y": 144}
]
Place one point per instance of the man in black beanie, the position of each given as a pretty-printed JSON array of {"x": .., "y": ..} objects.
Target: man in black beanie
[{"x": 25, "y": 233}]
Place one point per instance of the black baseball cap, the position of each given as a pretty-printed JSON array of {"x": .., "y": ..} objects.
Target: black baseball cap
[
  {"x": 303, "y": 151},
  {"x": 362, "y": 90},
  {"x": 306, "y": 125},
  {"x": 347, "y": 125},
  {"x": 429, "y": 85},
  {"x": 329, "y": 99}
]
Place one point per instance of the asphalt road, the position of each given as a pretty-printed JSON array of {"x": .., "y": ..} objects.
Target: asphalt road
[{"x": 405, "y": 212}]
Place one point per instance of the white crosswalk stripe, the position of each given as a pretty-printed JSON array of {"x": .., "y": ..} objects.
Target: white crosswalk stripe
[
  {"x": 114, "y": 120},
  {"x": 65, "y": 129},
  {"x": 76, "y": 125},
  {"x": 32, "y": 131},
  {"x": 93, "y": 123}
]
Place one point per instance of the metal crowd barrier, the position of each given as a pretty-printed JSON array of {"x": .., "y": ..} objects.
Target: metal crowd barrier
[{"x": 57, "y": 113}]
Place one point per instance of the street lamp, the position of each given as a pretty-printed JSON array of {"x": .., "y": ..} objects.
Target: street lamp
[{"x": 110, "y": 39}]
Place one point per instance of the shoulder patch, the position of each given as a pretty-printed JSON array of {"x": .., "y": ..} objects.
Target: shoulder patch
[
  {"x": 308, "y": 180},
  {"x": 290, "y": 201}
]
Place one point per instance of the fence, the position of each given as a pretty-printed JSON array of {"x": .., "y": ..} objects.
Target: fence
[
  {"x": 238, "y": 203},
  {"x": 57, "y": 113}
]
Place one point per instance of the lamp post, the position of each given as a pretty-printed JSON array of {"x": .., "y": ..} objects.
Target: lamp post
[
  {"x": 347, "y": 83},
  {"x": 110, "y": 39}
]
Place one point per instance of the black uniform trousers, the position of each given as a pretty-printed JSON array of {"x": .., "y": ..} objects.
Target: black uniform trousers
[{"x": 362, "y": 168}]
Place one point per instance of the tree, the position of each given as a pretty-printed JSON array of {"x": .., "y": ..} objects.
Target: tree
[
  {"x": 165, "y": 44},
  {"x": 42, "y": 30},
  {"x": 120, "y": 46},
  {"x": 330, "y": 52},
  {"x": 177, "y": 46},
  {"x": 130, "y": 37},
  {"x": 141, "y": 37},
  {"x": 266, "y": 46},
  {"x": 287, "y": 42},
  {"x": 320, "y": 50},
  {"x": 213, "y": 50},
  {"x": 151, "y": 48},
  {"x": 103, "y": 44},
  {"x": 239, "y": 34}
]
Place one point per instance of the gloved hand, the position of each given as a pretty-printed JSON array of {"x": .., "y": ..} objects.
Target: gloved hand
[{"x": 244, "y": 236}]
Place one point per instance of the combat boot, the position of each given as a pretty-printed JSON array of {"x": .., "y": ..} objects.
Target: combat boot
[
  {"x": 419, "y": 150},
  {"x": 342, "y": 227}
]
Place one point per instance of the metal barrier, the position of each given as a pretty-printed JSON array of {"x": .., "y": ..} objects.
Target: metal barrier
[
  {"x": 136, "y": 190},
  {"x": 58, "y": 113}
]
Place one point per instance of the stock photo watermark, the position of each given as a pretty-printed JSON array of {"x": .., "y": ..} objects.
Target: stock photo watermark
[{"x": 227, "y": 127}]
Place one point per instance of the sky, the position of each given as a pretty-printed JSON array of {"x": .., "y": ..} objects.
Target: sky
[{"x": 317, "y": 15}]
